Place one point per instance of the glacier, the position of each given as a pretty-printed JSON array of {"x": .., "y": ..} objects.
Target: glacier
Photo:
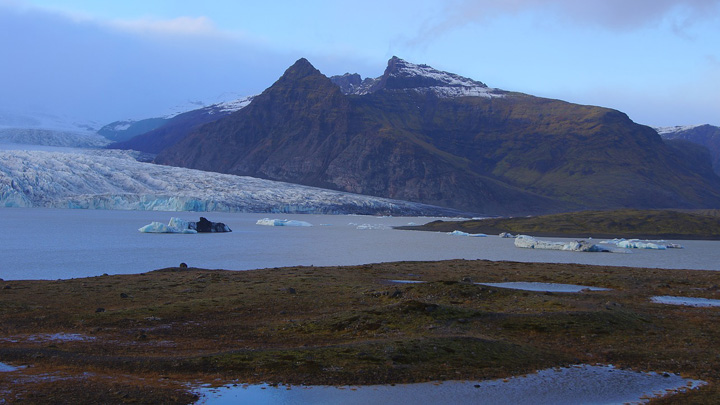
[
  {"x": 113, "y": 179},
  {"x": 48, "y": 130}
]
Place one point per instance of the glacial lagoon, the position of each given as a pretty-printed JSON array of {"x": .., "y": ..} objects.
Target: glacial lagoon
[{"x": 65, "y": 243}]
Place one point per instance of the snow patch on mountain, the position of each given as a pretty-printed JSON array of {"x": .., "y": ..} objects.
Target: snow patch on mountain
[
  {"x": 404, "y": 68},
  {"x": 675, "y": 129},
  {"x": 225, "y": 106},
  {"x": 419, "y": 78},
  {"x": 230, "y": 106},
  {"x": 109, "y": 179}
]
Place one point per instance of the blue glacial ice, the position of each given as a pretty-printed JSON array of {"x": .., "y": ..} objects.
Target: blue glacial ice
[{"x": 281, "y": 222}]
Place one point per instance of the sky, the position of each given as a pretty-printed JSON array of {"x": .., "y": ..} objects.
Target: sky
[{"x": 656, "y": 60}]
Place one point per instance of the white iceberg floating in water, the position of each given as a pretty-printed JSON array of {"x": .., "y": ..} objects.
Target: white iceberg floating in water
[
  {"x": 529, "y": 242},
  {"x": 159, "y": 227},
  {"x": 370, "y": 226},
  {"x": 642, "y": 244},
  {"x": 178, "y": 225},
  {"x": 281, "y": 222},
  {"x": 461, "y": 233}
]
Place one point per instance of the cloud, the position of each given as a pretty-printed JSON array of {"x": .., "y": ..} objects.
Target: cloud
[
  {"x": 184, "y": 26},
  {"x": 615, "y": 15},
  {"x": 83, "y": 67}
]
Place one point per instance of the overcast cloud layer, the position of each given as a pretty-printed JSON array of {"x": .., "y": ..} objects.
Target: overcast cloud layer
[{"x": 656, "y": 60}]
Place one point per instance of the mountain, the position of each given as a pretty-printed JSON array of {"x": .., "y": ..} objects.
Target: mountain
[
  {"x": 419, "y": 134},
  {"x": 107, "y": 179},
  {"x": 168, "y": 130},
  {"x": 705, "y": 135},
  {"x": 120, "y": 131}
]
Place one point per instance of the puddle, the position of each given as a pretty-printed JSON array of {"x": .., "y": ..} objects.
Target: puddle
[
  {"x": 406, "y": 281},
  {"x": 584, "y": 383},
  {"x": 50, "y": 337},
  {"x": 6, "y": 368},
  {"x": 689, "y": 301},
  {"x": 544, "y": 287}
]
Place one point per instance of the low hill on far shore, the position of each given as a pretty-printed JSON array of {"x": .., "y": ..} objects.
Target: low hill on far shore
[{"x": 630, "y": 223}]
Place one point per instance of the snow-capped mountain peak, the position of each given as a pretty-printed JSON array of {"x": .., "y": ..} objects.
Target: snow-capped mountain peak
[
  {"x": 403, "y": 69},
  {"x": 403, "y": 75}
]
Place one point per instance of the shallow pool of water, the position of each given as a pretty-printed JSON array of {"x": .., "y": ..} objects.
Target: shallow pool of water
[
  {"x": 572, "y": 385},
  {"x": 544, "y": 287},
  {"x": 6, "y": 368},
  {"x": 689, "y": 301}
]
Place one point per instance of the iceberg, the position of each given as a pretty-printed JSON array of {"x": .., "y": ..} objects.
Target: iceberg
[
  {"x": 529, "y": 242},
  {"x": 642, "y": 244},
  {"x": 178, "y": 225},
  {"x": 281, "y": 222},
  {"x": 461, "y": 233}
]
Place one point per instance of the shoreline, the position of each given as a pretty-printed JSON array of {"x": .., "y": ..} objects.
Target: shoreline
[{"x": 627, "y": 224}]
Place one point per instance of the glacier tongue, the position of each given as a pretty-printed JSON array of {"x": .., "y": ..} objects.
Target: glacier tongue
[{"x": 104, "y": 179}]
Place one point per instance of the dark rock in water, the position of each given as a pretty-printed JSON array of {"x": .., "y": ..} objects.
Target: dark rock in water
[{"x": 204, "y": 226}]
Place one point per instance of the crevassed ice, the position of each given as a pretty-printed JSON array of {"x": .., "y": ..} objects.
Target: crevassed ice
[{"x": 104, "y": 179}]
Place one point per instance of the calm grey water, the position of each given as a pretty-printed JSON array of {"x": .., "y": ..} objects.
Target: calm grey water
[{"x": 56, "y": 243}]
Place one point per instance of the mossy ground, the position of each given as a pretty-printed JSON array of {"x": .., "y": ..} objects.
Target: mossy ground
[
  {"x": 629, "y": 223},
  {"x": 140, "y": 338}
]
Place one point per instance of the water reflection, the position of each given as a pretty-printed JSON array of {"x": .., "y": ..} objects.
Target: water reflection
[{"x": 577, "y": 384}]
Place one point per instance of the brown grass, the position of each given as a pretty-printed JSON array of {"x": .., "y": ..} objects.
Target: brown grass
[{"x": 140, "y": 337}]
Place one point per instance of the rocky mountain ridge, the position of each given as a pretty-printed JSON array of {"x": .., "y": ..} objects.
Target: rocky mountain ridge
[{"x": 422, "y": 135}]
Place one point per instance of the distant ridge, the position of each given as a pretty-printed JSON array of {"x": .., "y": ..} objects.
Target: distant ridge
[{"x": 704, "y": 135}]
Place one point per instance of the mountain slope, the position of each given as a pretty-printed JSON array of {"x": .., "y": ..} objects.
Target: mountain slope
[
  {"x": 419, "y": 134},
  {"x": 120, "y": 131},
  {"x": 305, "y": 130},
  {"x": 173, "y": 129},
  {"x": 705, "y": 135}
]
